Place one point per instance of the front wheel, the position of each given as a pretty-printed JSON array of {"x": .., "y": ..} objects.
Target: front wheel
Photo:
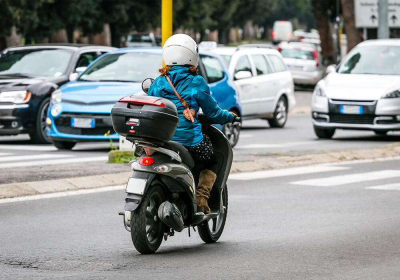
[
  {"x": 232, "y": 132},
  {"x": 38, "y": 134},
  {"x": 64, "y": 145},
  {"x": 210, "y": 231},
  {"x": 280, "y": 114},
  {"x": 147, "y": 230},
  {"x": 324, "y": 133}
]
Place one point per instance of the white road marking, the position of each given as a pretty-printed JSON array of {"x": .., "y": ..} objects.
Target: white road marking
[
  {"x": 350, "y": 179},
  {"x": 30, "y": 157},
  {"x": 61, "y": 194},
  {"x": 388, "y": 187},
  {"x": 28, "y": 148},
  {"x": 285, "y": 172},
  {"x": 51, "y": 162},
  {"x": 246, "y": 135},
  {"x": 272, "y": 146}
]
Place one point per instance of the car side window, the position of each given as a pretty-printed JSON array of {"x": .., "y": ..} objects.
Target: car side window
[
  {"x": 262, "y": 66},
  {"x": 213, "y": 68},
  {"x": 243, "y": 64},
  {"x": 85, "y": 59},
  {"x": 278, "y": 64}
]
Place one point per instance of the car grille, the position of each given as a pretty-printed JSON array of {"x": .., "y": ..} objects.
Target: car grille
[
  {"x": 351, "y": 119},
  {"x": 102, "y": 124}
]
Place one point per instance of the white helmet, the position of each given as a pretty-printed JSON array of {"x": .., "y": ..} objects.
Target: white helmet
[{"x": 180, "y": 49}]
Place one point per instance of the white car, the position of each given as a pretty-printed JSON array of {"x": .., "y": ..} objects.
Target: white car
[
  {"x": 303, "y": 60},
  {"x": 362, "y": 92},
  {"x": 264, "y": 83},
  {"x": 282, "y": 31}
]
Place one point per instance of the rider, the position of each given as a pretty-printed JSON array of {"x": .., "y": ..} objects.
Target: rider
[{"x": 180, "y": 57}]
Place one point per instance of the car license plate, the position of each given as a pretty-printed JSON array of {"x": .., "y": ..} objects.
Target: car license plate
[
  {"x": 356, "y": 110},
  {"x": 82, "y": 123},
  {"x": 135, "y": 186}
]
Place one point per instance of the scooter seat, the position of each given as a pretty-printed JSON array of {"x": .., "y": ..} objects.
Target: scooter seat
[{"x": 181, "y": 151}]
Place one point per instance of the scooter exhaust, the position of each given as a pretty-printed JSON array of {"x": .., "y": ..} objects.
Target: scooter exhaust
[{"x": 171, "y": 216}]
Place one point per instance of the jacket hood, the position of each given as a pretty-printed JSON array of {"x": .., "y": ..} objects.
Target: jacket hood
[{"x": 181, "y": 77}]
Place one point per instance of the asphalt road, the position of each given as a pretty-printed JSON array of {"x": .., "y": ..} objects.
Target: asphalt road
[
  {"x": 45, "y": 162},
  {"x": 330, "y": 222}
]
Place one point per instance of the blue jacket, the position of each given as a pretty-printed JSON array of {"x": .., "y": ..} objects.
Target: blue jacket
[{"x": 195, "y": 91}]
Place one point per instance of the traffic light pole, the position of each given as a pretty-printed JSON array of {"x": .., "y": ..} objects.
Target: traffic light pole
[{"x": 166, "y": 20}]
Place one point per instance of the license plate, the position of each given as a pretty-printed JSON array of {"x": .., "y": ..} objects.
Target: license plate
[
  {"x": 356, "y": 110},
  {"x": 135, "y": 186},
  {"x": 82, "y": 123}
]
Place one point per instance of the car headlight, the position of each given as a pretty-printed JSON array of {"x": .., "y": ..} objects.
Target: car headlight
[
  {"x": 318, "y": 91},
  {"x": 56, "y": 110},
  {"x": 18, "y": 96},
  {"x": 56, "y": 97},
  {"x": 393, "y": 94}
]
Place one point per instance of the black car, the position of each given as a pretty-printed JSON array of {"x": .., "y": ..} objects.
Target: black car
[{"x": 28, "y": 76}]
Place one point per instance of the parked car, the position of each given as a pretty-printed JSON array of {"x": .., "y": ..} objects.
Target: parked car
[
  {"x": 362, "y": 92},
  {"x": 80, "y": 110},
  {"x": 28, "y": 76},
  {"x": 304, "y": 62},
  {"x": 282, "y": 31},
  {"x": 264, "y": 83},
  {"x": 142, "y": 40}
]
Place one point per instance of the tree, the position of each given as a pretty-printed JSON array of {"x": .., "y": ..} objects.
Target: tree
[
  {"x": 6, "y": 22},
  {"x": 352, "y": 32},
  {"x": 323, "y": 11}
]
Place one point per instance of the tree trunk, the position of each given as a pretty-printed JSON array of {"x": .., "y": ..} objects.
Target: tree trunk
[
  {"x": 223, "y": 36},
  {"x": 353, "y": 33},
  {"x": 322, "y": 21},
  {"x": 70, "y": 33}
]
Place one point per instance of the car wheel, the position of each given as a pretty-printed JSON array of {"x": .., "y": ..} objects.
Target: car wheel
[
  {"x": 38, "y": 134},
  {"x": 380, "y": 133},
  {"x": 64, "y": 145},
  {"x": 324, "y": 133},
  {"x": 280, "y": 114},
  {"x": 232, "y": 132}
]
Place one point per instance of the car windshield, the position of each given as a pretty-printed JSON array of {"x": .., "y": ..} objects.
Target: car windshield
[
  {"x": 378, "y": 60},
  {"x": 124, "y": 67},
  {"x": 297, "y": 54},
  {"x": 36, "y": 62}
]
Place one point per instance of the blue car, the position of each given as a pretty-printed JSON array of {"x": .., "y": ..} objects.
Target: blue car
[{"x": 81, "y": 110}]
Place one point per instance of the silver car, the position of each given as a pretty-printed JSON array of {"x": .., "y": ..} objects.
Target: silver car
[
  {"x": 362, "y": 92},
  {"x": 303, "y": 61}
]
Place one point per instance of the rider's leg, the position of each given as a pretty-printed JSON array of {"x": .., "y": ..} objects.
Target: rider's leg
[{"x": 206, "y": 182}]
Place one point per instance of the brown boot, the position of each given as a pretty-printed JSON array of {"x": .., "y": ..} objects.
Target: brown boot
[{"x": 206, "y": 182}]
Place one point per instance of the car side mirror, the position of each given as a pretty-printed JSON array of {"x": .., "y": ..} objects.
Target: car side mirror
[
  {"x": 331, "y": 69},
  {"x": 74, "y": 76},
  {"x": 242, "y": 75},
  {"x": 146, "y": 84}
]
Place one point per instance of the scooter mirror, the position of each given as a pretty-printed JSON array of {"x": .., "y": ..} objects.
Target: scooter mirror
[{"x": 146, "y": 84}]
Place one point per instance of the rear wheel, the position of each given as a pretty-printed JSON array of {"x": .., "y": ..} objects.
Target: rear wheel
[
  {"x": 147, "y": 230},
  {"x": 38, "y": 134},
  {"x": 324, "y": 133},
  {"x": 280, "y": 114},
  {"x": 210, "y": 231},
  {"x": 64, "y": 145}
]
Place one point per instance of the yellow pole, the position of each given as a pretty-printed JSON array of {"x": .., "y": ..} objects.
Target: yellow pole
[{"x": 166, "y": 20}]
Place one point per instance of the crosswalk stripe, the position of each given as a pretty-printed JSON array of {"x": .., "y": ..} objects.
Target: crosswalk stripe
[
  {"x": 30, "y": 157},
  {"x": 387, "y": 187},
  {"x": 52, "y": 161},
  {"x": 4, "y": 154},
  {"x": 349, "y": 179},
  {"x": 28, "y": 148},
  {"x": 285, "y": 172},
  {"x": 271, "y": 146}
]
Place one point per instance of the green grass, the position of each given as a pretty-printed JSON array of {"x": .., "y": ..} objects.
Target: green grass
[{"x": 116, "y": 156}]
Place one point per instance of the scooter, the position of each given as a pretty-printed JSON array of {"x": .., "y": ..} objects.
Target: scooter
[{"x": 161, "y": 193}]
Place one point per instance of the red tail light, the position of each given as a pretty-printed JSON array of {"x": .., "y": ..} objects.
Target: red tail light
[
  {"x": 290, "y": 35},
  {"x": 315, "y": 55},
  {"x": 146, "y": 161},
  {"x": 273, "y": 34},
  {"x": 279, "y": 49},
  {"x": 136, "y": 101}
]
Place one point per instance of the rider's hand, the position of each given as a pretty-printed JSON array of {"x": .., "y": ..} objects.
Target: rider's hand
[{"x": 234, "y": 116}]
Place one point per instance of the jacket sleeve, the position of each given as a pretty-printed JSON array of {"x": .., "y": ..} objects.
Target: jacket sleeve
[{"x": 208, "y": 104}]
